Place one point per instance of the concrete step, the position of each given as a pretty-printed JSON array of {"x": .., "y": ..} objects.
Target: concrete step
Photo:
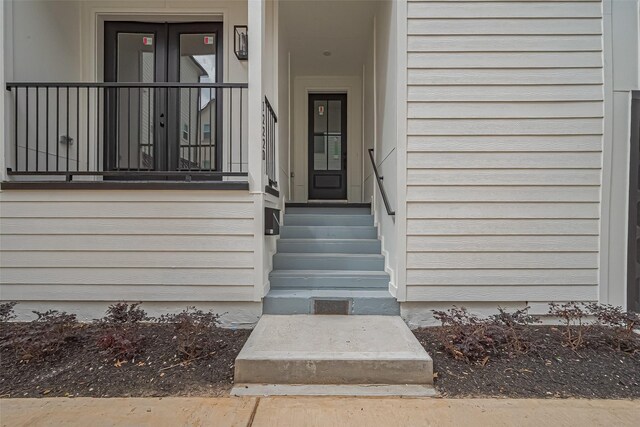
[
  {"x": 345, "y": 246},
  {"x": 364, "y": 350},
  {"x": 322, "y": 301},
  {"x": 311, "y": 261},
  {"x": 330, "y": 209},
  {"x": 328, "y": 279},
  {"x": 327, "y": 232},
  {"x": 321, "y": 219}
]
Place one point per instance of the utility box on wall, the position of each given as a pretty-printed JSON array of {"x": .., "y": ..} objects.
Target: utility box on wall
[{"x": 271, "y": 222}]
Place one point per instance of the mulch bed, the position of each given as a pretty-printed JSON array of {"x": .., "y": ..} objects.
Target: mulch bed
[
  {"x": 80, "y": 369},
  {"x": 549, "y": 370}
]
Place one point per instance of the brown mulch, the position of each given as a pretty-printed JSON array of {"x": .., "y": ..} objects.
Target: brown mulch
[
  {"x": 548, "y": 370},
  {"x": 81, "y": 369}
]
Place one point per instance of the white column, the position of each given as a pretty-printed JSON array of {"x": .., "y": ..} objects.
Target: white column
[
  {"x": 256, "y": 26},
  {"x": 255, "y": 19},
  {"x": 3, "y": 98}
]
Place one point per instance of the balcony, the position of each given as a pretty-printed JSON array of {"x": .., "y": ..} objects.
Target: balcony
[{"x": 132, "y": 132}]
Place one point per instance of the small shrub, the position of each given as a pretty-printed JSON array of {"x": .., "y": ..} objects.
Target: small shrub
[
  {"x": 46, "y": 336},
  {"x": 193, "y": 332},
  {"x": 466, "y": 336},
  {"x": 125, "y": 313},
  {"x": 573, "y": 315},
  {"x": 473, "y": 339},
  {"x": 6, "y": 311},
  {"x": 120, "y": 334},
  {"x": 515, "y": 325},
  {"x": 618, "y": 326}
]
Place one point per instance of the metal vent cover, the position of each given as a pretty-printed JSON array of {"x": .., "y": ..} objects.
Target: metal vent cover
[{"x": 331, "y": 306}]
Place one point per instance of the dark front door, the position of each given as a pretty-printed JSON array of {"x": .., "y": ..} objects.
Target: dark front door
[
  {"x": 328, "y": 146},
  {"x": 163, "y": 128}
]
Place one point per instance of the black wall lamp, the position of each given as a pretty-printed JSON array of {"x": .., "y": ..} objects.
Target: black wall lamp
[{"x": 241, "y": 42}]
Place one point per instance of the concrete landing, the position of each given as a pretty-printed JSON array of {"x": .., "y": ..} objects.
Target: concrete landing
[{"x": 332, "y": 350}]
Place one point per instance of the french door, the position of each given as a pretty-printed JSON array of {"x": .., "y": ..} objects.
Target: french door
[
  {"x": 328, "y": 146},
  {"x": 167, "y": 125}
]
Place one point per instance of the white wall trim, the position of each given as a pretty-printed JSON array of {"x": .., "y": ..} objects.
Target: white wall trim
[
  {"x": 607, "y": 148},
  {"x": 3, "y": 98},
  {"x": 621, "y": 76},
  {"x": 401, "y": 189}
]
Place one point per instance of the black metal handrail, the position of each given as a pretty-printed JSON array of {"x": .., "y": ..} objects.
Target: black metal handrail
[
  {"x": 381, "y": 185},
  {"x": 269, "y": 121},
  {"x": 12, "y": 85},
  {"x": 129, "y": 130}
]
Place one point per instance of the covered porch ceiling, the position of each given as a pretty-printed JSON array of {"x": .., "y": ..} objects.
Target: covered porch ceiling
[{"x": 327, "y": 37}]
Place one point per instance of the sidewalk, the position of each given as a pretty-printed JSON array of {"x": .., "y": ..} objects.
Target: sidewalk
[{"x": 315, "y": 411}]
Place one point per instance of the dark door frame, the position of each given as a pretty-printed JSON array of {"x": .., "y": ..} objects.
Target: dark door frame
[
  {"x": 327, "y": 193},
  {"x": 111, "y": 31},
  {"x": 167, "y": 69},
  {"x": 173, "y": 132}
]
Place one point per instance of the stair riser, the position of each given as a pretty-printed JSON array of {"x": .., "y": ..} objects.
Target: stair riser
[
  {"x": 294, "y": 262},
  {"x": 328, "y": 211},
  {"x": 357, "y": 305},
  {"x": 302, "y": 282},
  {"x": 317, "y": 246},
  {"x": 305, "y": 232},
  {"x": 335, "y": 220}
]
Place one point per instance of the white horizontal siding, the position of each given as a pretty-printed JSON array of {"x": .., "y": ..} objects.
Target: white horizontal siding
[
  {"x": 479, "y": 243},
  {"x": 495, "y": 193},
  {"x": 499, "y": 9},
  {"x": 87, "y": 292},
  {"x": 502, "y": 210},
  {"x": 503, "y": 59},
  {"x": 514, "y": 177},
  {"x": 504, "y": 142},
  {"x": 504, "y": 93},
  {"x": 491, "y": 277},
  {"x": 126, "y": 245},
  {"x": 496, "y": 43},
  {"x": 533, "y": 26},
  {"x": 485, "y": 110},
  {"x": 499, "y": 77},
  {"x": 505, "y": 122}
]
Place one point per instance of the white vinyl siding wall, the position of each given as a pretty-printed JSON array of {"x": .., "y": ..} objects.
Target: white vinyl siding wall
[
  {"x": 504, "y": 140},
  {"x": 104, "y": 245}
]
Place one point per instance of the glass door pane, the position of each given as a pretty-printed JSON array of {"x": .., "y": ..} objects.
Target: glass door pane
[
  {"x": 135, "y": 106},
  {"x": 198, "y": 107}
]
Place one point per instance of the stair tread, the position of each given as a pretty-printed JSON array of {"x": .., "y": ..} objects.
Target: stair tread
[
  {"x": 327, "y": 255},
  {"x": 324, "y": 215},
  {"x": 330, "y": 293},
  {"x": 324, "y": 240},
  {"x": 349, "y": 273},
  {"x": 326, "y": 205},
  {"x": 330, "y": 226}
]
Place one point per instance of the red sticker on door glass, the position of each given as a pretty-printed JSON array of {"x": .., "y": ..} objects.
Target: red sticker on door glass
[
  {"x": 147, "y": 41},
  {"x": 208, "y": 40}
]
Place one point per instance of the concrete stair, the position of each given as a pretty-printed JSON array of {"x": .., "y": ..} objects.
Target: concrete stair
[
  {"x": 338, "y": 355},
  {"x": 329, "y": 254}
]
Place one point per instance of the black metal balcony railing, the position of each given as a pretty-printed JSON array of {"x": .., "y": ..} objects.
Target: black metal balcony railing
[
  {"x": 180, "y": 131},
  {"x": 269, "y": 121}
]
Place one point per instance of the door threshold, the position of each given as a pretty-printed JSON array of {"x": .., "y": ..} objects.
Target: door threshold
[{"x": 327, "y": 201}]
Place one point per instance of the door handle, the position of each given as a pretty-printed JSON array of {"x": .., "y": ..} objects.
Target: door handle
[{"x": 162, "y": 120}]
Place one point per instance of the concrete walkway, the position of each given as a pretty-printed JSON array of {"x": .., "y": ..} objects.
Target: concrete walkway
[{"x": 315, "y": 411}]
